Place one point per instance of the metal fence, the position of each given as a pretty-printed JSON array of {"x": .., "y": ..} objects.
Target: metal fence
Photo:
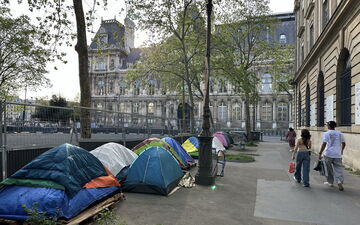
[{"x": 25, "y": 127}]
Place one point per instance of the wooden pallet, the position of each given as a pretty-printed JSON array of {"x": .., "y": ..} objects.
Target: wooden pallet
[{"x": 88, "y": 213}]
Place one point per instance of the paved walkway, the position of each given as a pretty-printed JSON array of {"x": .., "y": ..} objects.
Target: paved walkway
[{"x": 260, "y": 193}]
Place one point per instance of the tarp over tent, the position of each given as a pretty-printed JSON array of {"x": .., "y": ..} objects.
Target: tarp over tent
[
  {"x": 54, "y": 202},
  {"x": 67, "y": 165},
  {"x": 221, "y": 138},
  {"x": 217, "y": 145},
  {"x": 185, "y": 157},
  {"x": 228, "y": 138},
  {"x": 151, "y": 142},
  {"x": 191, "y": 144},
  {"x": 114, "y": 156},
  {"x": 154, "y": 171}
]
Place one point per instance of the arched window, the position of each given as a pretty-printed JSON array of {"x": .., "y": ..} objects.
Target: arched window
[
  {"x": 151, "y": 108},
  {"x": 266, "y": 83},
  {"x": 343, "y": 91},
  {"x": 307, "y": 102},
  {"x": 299, "y": 110},
  {"x": 266, "y": 111},
  {"x": 236, "y": 112},
  {"x": 282, "y": 111},
  {"x": 222, "y": 112},
  {"x": 282, "y": 39},
  {"x": 320, "y": 101},
  {"x": 101, "y": 86}
]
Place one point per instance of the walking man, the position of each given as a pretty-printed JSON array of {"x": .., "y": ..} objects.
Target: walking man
[{"x": 333, "y": 144}]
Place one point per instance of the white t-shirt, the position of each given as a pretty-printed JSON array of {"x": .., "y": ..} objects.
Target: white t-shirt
[{"x": 333, "y": 139}]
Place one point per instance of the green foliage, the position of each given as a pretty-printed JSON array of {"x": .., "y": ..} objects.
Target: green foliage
[
  {"x": 23, "y": 56},
  {"x": 240, "y": 158},
  {"x": 251, "y": 144},
  {"x": 38, "y": 218},
  {"x": 107, "y": 217},
  {"x": 54, "y": 114}
]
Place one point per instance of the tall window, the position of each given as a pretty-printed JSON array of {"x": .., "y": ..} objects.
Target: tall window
[
  {"x": 136, "y": 88},
  {"x": 266, "y": 111},
  {"x": 222, "y": 112},
  {"x": 151, "y": 90},
  {"x": 211, "y": 86},
  {"x": 307, "y": 101},
  {"x": 282, "y": 111},
  {"x": 282, "y": 39},
  {"x": 311, "y": 35},
  {"x": 222, "y": 86},
  {"x": 171, "y": 111},
  {"x": 122, "y": 107},
  {"x": 151, "y": 108},
  {"x": 122, "y": 87},
  {"x": 101, "y": 87},
  {"x": 325, "y": 15},
  {"x": 111, "y": 86},
  {"x": 320, "y": 101},
  {"x": 135, "y": 107},
  {"x": 344, "y": 88},
  {"x": 236, "y": 112},
  {"x": 112, "y": 64},
  {"x": 266, "y": 83}
]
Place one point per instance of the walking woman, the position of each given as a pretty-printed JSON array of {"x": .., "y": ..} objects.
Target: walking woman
[
  {"x": 291, "y": 136},
  {"x": 303, "y": 150}
]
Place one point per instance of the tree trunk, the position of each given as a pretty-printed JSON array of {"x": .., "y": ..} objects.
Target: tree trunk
[
  {"x": 192, "y": 118},
  {"x": 82, "y": 50}
]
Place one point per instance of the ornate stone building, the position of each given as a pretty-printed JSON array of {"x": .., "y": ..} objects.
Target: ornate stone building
[
  {"x": 328, "y": 70},
  {"x": 110, "y": 91}
]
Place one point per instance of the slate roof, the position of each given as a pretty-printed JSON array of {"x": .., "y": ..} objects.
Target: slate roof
[{"x": 115, "y": 32}]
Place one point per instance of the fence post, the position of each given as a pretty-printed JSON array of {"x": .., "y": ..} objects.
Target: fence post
[
  {"x": 123, "y": 129},
  {"x": 3, "y": 138}
]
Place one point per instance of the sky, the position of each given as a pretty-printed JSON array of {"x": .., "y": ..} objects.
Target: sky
[{"x": 65, "y": 80}]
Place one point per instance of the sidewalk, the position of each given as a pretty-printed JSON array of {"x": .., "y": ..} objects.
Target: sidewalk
[{"x": 260, "y": 193}]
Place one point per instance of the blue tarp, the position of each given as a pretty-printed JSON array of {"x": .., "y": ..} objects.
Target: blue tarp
[
  {"x": 52, "y": 201},
  {"x": 185, "y": 157},
  {"x": 67, "y": 165},
  {"x": 154, "y": 171}
]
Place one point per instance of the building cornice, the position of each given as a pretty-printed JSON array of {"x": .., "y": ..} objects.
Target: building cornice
[{"x": 343, "y": 12}]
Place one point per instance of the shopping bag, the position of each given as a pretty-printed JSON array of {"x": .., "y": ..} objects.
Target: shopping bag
[
  {"x": 318, "y": 166},
  {"x": 291, "y": 167}
]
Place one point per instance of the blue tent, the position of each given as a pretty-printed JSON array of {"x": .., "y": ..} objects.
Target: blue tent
[
  {"x": 185, "y": 157},
  {"x": 67, "y": 165},
  {"x": 54, "y": 202},
  {"x": 155, "y": 171}
]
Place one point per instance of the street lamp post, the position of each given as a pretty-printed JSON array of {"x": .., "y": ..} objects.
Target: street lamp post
[{"x": 204, "y": 175}]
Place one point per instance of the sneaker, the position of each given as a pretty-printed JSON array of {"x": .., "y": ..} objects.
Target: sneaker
[
  {"x": 328, "y": 184},
  {"x": 341, "y": 188},
  {"x": 306, "y": 185},
  {"x": 298, "y": 181}
]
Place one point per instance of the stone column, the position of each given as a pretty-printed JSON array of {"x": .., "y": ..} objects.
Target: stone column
[
  {"x": 274, "y": 125},
  {"x": 258, "y": 115}
]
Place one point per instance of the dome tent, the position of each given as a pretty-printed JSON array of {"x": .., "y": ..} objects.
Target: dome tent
[
  {"x": 222, "y": 138},
  {"x": 155, "y": 171},
  {"x": 185, "y": 157},
  {"x": 67, "y": 165},
  {"x": 217, "y": 145},
  {"x": 150, "y": 142},
  {"x": 192, "y": 144},
  {"x": 114, "y": 156}
]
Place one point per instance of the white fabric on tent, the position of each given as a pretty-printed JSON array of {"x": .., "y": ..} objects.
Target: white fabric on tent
[
  {"x": 217, "y": 145},
  {"x": 114, "y": 156}
]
